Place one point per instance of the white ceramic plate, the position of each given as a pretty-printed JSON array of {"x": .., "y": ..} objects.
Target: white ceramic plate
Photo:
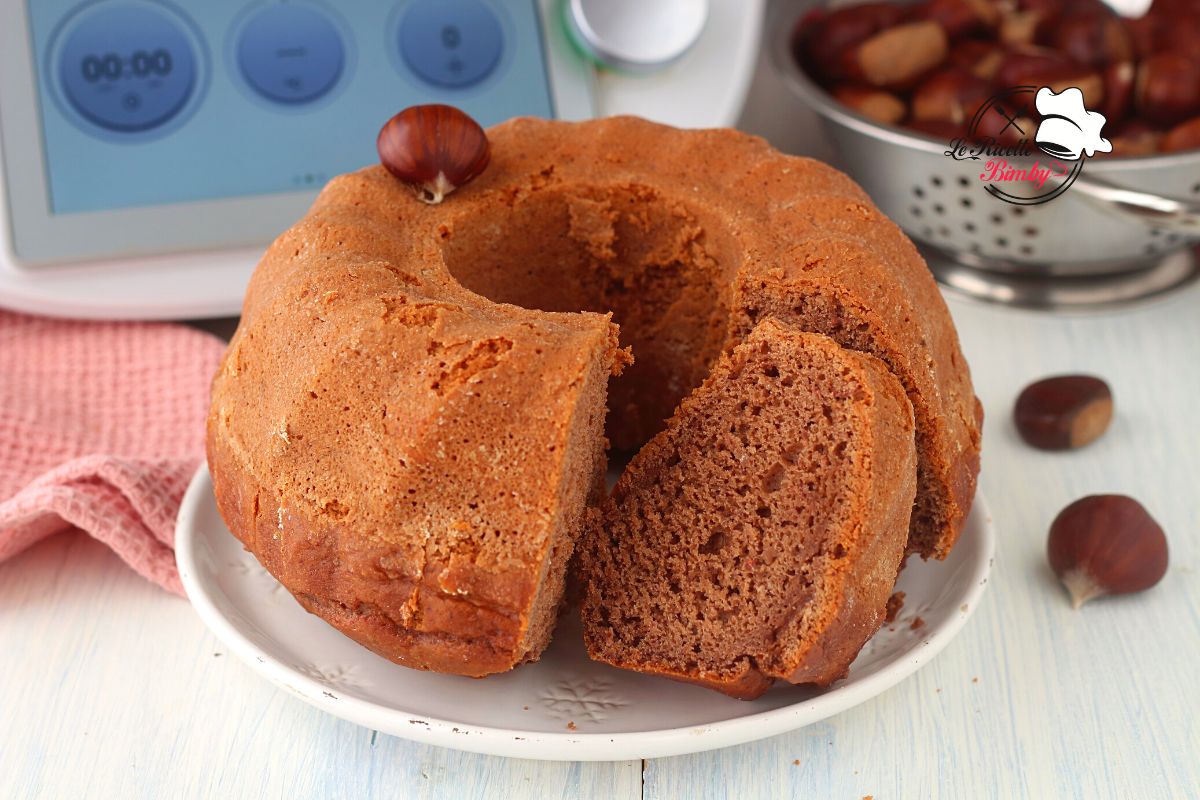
[{"x": 565, "y": 706}]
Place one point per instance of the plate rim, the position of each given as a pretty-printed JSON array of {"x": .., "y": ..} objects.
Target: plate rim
[{"x": 573, "y": 746}]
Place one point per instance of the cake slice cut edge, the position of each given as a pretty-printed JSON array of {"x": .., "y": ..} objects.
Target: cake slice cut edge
[{"x": 760, "y": 534}]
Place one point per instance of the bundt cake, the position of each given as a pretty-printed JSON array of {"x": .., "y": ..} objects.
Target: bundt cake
[
  {"x": 409, "y": 426},
  {"x": 759, "y": 535}
]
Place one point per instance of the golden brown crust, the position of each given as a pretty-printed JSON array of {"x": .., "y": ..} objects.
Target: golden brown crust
[
  {"x": 483, "y": 642},
  {"x": 336, "y": 472}
]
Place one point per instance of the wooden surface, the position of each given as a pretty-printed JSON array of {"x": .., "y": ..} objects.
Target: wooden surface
[{"x": 111, "y": 688}]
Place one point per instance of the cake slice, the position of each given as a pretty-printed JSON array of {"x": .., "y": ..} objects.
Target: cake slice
[{"x": 759, "y": 535}]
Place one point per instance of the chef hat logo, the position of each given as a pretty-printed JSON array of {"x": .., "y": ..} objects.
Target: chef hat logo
[{"x": 1068, "y": 130}]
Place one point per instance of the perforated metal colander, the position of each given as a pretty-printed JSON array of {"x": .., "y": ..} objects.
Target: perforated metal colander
[{"x": 1126, "y": 227}]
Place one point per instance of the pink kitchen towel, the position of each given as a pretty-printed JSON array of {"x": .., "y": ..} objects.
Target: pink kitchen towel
[{"x": 101, "y": 428}]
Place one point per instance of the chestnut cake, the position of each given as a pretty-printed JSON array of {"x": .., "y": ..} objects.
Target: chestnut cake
[
  {"x": 759, "y": 535},
  {"x": 409, "y": 427}
]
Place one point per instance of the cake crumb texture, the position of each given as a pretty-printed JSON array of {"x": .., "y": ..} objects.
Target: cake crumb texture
[{"x": 758, "y": 536}]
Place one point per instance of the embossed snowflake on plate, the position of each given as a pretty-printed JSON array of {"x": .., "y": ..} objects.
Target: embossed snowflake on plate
[
  {"x": 575, "y": 699},
  {"x": 252, "y": 569},
  {"x": 335, "y": 677}
]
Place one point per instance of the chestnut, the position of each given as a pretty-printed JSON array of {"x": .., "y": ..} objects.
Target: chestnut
[
  {"x": 1135, "y": 139},
  {"x": 1180, "y": 32},
  {"x": 1095, "y": 39},
  {"x": 877, "y": 104},
  {"x": 1143, "y": 34},
  {"x": 959, "y": 18},
  {"x": 1063, "y": 412},
  {"x": 434, "y": 149},
  {"x": 950, "y": 95},
  {"x": 978, "y": 57},
  {"x": 1106, "y": 544},
  {"x": 1167, "y": 88},
  {"x": 1185, "y": 136},
  {"x": 1061, "y": 6},
  {"x": 820, "y": 44},
  {"x": 1038, "y": 66},
  {"x": 931, "y": 64},
  {"x": 1169, "y": 8},
  {"x": 1118, "y": 90},
  {"x": 1022, "y": 66},
  {"x": 899, "y": 55},
  {"x": 1024, "y": 27}
]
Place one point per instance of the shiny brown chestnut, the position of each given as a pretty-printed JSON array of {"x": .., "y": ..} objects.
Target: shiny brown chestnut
[
  {"x": 950, "y": 95},
  {"x": 1136, "y": 139},
  {"x": 1143, "y": 34},
  {"x": 1167, "y": 88},
  {"x": 977, "y": 57},
  {"x": 1118, "y": 90},
  {"x": 1023, "y": 27},
  {"x": 433, "y": 148},
  {"x": 1185, "y": 136},
  {"x": 1094, "y": 39},
  {"x": 822, "y": 40},
  {"x": 1179, "y": 31},
  {"x": 1063, "y": 412},
  {"x": 1106, "y": 544},
  {"x": 1059, "y": 7},
  {"x": 959, "y": 18},
  {"x": 898, "y": 56},
  {"x": 877, "y": 104},
  {"x": 1039, "y": 66}
]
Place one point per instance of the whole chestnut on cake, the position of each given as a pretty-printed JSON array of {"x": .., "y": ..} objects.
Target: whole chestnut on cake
[{"x": 433, "y": 148}]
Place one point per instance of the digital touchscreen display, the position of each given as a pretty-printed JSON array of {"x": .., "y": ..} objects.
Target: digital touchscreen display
[{"x": 146, "y": 103}]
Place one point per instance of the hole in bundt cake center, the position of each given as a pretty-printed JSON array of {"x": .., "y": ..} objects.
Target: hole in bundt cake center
[{"x": 650, "y": 260}]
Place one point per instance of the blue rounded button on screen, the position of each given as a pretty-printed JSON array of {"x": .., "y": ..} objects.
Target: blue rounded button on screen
[
  {"x": 127, "y": 67},
  {"x": 452, "y": 43},
  {"x": 290, "y": 53}
]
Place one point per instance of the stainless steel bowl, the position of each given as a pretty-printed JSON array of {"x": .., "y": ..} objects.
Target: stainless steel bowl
[{"x": 1124, "y": 230}]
